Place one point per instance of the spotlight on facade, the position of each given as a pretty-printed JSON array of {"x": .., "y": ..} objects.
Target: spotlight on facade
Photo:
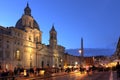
[{"x": 25, "y": 73}]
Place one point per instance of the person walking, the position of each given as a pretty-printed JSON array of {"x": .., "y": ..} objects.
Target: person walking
[
  {"x": 118, "y": 70},
  {"x": 87, "y": 69}
]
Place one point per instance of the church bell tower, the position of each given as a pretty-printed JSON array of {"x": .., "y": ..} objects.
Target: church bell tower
[{"x": 53, "y": 37}]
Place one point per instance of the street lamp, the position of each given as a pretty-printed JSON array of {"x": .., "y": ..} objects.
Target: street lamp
[
  {"x": 76, "y": 63},
  {"x": 80, "y": 51},
  {"x": 60, "y": 62}
]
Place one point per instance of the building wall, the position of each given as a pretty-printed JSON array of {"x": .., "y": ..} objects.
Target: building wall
[
  {"x": 71, "y": 61},
  {"x": 19, "y": 41}
]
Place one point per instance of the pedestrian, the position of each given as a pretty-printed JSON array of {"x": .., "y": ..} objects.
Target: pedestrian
[
  {"x": 93, "y": 68},
  {"x": 81, "y": 69},
  {"x": 87, "y": 69},
  {"x": 118, "y": 69}
]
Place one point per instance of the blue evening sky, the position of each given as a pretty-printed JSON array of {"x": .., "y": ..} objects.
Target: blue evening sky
[{"x": 97, "y": 21}]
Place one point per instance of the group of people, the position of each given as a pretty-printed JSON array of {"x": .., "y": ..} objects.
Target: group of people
[
  {"x": 87, "y": 69},
  {"x": 16, "y": 72},
  {"x": 6, "y": 74}
]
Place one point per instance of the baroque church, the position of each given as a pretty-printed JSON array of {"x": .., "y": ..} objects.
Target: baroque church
[{"x": 21, "y": 45}]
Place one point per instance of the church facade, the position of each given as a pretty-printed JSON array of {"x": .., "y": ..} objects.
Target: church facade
[{"x": 21, "y": 45}]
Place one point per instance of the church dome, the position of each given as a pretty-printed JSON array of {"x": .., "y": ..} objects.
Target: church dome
[
  {"x": 27, "y": 20},
  {"x": 19, "y": 24}
]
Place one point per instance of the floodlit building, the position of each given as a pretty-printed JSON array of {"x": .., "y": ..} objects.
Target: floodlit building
[{"x": 21, "y": 45}]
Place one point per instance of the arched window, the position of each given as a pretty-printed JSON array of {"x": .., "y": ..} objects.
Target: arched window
[
  {"x": 36, "y": 39},
  {"x": 30, "y": 38},
  {"x": 17, "y": 55}
]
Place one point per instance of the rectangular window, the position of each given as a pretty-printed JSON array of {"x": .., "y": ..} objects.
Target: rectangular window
[
  {"x": 7, "y": 54},
  {"x": 1, "y": 54},
  {"x": 7, "y": 46},
  {"x": 0, "y": 45}
]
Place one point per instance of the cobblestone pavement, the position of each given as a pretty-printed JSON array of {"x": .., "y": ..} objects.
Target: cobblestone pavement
[
  {"x": 77, "y": 76},
  {"x": 74, "y": 76},
  {"x": 115, "y": 76},
  {"x": 55, "y": 76},
  {"x": 98, "y": 76}
]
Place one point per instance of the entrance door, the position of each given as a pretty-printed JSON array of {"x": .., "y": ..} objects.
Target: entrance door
[{"x": 42, "y": 63}]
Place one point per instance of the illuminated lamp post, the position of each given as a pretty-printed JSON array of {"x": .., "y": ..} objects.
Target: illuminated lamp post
[
  {"x": 61, "y": 62},
  {"x": 61, "y": 65},
  {"x": 80, "y": 51},
  {"x": 76, "y": 64}
]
